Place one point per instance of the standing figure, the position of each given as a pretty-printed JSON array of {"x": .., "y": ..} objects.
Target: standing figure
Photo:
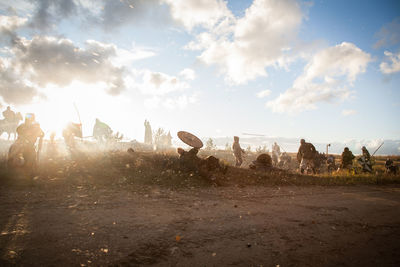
[
  {"x": 347, "y": 159},
  {"x": 365, "y": 160},
  {"x": 28, "y": 134},
  {"x": 148, "y": 135},
  {"x": 276, "y": 152},
  {"x": 390, "y": 167},
  {"x": 168, "y": 140},
  {"x": 330, "y": 161},
  {"x": 306, "y": 155},
  {"x": 237, "y": 151}
]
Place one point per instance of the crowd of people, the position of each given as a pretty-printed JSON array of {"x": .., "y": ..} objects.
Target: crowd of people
[{"x": 29, "y": 134}]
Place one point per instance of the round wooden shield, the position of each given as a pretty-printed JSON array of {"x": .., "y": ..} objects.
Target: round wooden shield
[{"x": 190, "y": 139}]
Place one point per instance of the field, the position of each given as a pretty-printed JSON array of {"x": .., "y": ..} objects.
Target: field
[{"x": 118, "y": 208}]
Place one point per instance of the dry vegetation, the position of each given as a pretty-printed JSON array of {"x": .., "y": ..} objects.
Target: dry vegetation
[
  {"x": 163, "y": 168},
  {"x": 115, "y": 208}
]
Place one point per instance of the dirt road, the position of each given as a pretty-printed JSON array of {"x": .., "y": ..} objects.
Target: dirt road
[{"x": 82, "y": 223}]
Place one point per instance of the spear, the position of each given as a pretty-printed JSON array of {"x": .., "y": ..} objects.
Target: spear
[
  {"x": 377, "y": 149},
  {"x": 79, "y": 117},
  {"x": 77, "y": 112}
]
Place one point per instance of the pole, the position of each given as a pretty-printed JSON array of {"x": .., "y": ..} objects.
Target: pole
[
  {"x": 327, "y": 146},
  {"x": 79, "y": 117},
  {"x": 377, "y": 149},
  {"x": 77, "y": 111}
]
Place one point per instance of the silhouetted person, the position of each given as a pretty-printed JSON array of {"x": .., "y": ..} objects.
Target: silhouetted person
[
  {"x": 276, "y": 152},
  {"x": 390, "y": 167},
  {"x": 365, "y": 160},
  {"x": 148, "y": 135},
  {"x": 28, "y": 134},
  {"x": 347, "y": 159},
  {"x": 306, "y": 155},
  {"x": 237, "y": 151}
]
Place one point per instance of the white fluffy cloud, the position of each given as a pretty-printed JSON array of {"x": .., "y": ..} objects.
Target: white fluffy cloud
[
  {"x": 243, "y": 48},
  {"x": 163, "y": 90},
  {"x": 192, "y": 13},
  {"x": 60, "y": 61},
  {"x": 10, "y": 23},
  {"x": 325, "y": 78},
  {"x": 44, "y": 60},
  {"x": 264, "y": 93},
  {"x": 393, "y": 65},
  {"x": 188, "y": 74}
]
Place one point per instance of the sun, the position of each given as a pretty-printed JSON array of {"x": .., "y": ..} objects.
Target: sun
[{"x": 78, "y": 103}]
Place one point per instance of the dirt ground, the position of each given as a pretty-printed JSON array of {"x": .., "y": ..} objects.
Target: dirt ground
[{"x": 57, "y": 222}]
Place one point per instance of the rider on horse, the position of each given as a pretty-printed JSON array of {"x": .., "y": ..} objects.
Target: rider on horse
[
  {"x": 9, "y": 115},
  {"x": 10, "y": 122}
]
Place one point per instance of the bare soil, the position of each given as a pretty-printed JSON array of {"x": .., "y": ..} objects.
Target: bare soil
[{"x": 61, "y": 221}]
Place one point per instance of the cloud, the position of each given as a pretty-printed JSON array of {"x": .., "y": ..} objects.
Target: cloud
[
  {"x": 45, "y": 15},
  {"x": 393, "y": 65},
  {"x": 192, "y": 13},
  {"x": 13, "y": 88},
  {"x": 60, "y": 61},
  {"x": 264, "y": 93},
  {"x": 348, "y": 112},
  {"x": 47, "y": 60},
  {"x": 11, "y": 23},
  {"x": 157, "y": 83},
  {"x": 8, "y": 26},
  {"x": 125, "y": 57},
  {"x": 188, "y": 74},
  {"x": 112, "y": 14},
  {"x": 49, "y": 12},
  {"x": 243, "y": 48},
  {"x": 389, "y": 34},
  {"x": 325, "y": 79}
]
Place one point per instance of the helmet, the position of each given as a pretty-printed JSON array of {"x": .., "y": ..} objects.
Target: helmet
[
  {"x": 302, "y": 141},
  {"x": 30, "y": 117},
  {"x": 346, "y": 149}
]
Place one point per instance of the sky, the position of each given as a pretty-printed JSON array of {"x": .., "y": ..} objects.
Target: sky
[{"x": 326, "y": 71}]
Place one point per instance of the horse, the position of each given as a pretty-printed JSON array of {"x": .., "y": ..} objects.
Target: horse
[{"x": 10, "y": 127}]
